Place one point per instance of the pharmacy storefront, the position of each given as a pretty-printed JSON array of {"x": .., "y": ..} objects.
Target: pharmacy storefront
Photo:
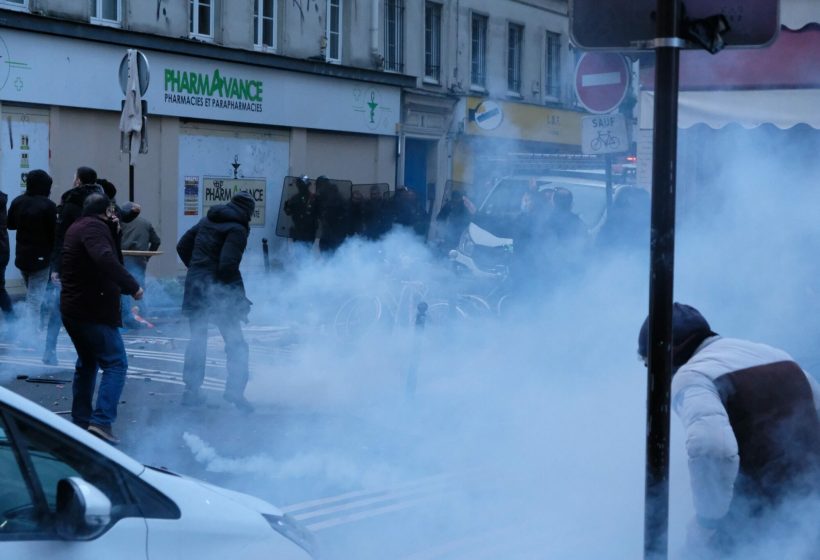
[{"x": 214, "y": 127}]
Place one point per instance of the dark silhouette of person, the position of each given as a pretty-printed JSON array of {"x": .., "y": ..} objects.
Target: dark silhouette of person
[
  {"x": 375, "y": 214},
  {"x": 301, "y": 207},
  {"x": 626, "y": 226},
  {"x": 333, "y": 215},
  {"x": 453, "y": 219}
]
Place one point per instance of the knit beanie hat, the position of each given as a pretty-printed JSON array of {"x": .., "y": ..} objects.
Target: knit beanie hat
[
  {"x": 38, "y": 182},
  {"x": 245, "y": 201},
  {"x": 689, "y": 330}
]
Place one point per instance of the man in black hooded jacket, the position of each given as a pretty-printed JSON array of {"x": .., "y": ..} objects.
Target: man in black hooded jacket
[
  {"x": 34, "y": 215},
  {"x": 212, "y": 250}
]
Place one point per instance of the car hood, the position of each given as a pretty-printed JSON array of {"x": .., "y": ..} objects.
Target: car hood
[{"x": 184, "y": 488}]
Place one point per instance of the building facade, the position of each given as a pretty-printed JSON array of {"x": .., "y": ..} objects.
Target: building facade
[{"x": 420, "y": 93}]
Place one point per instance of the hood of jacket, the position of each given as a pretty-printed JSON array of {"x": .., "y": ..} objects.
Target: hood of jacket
[
  {"x": 230, "y": 212},
  {"x": 38, "y": 190},
  {"x": 77, "y": 195}
]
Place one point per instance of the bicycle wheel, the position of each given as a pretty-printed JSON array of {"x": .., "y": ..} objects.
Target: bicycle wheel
[
  {"x": 358, "y": 315},
  {"x": 442, "y": 313},
  {"x": 506, "y": 304},
  {"x": 473, "y": 306}
]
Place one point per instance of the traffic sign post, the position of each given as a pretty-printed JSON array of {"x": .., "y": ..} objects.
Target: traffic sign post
[
  {"x": 666, "y": 26},
  {"x": 601, "y": 81}
]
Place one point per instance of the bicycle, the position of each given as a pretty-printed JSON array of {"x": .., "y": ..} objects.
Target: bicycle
[
  {"x": 605, "y": 139},
  {"x": 364, "y": 313}
]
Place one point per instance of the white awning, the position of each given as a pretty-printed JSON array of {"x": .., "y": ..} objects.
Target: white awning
[
  {"x": 748, "y": 108},
  {"x": 795, "y": 14}
]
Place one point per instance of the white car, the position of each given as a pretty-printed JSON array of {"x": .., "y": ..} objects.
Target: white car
[{"x": 64, "y": 494}]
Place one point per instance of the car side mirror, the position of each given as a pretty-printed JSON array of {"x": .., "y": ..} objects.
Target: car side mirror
[{"x": 83, "y": 511}]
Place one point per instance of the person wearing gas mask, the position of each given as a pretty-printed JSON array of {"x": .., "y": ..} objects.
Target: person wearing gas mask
[
  {"x": 214, "y": 292},
  {"x": 751, "y": 418}
]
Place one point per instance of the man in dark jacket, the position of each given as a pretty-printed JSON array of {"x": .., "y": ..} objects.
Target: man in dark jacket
[
  {"x": 92, "y": 279},
  {"x": 34, "y": 215},
  {"x": 212, "y": 251},
  {"x": 751, "y": 417},
  {"x": 69, "y": 210},
  {"x": 5, "y": 300}
]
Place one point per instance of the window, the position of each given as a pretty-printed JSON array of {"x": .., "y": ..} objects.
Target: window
[
  {"x": 35, "y": 457},
  {"x": 552, "y": 70},
  {"x": 394, "y": 35},
  {"x": 18, "y": 514},
  {"x": 334, "y": 31},
  {"x": 201, "y": 16},
  {"x": 264, "y": 24},
  {"x": 18, "y": 4},
  {"x": 515, "y": 34},
  {"x": 106, "y": 12},
  {"x": 432, "y": 41},
  {"x": 478, "y": 51}
]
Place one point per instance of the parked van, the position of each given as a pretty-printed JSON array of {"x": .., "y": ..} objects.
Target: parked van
[{"x": 65, "y": 494}]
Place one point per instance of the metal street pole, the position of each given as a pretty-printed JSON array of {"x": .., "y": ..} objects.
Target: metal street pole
[
  {"x": 130, "y": 179},
  {"x": 661, "y": 276}
]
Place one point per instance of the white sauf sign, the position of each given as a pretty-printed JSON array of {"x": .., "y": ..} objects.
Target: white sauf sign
[{"x": 604, "y": 134}]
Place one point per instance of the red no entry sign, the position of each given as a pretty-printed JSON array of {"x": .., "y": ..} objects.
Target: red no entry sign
[{"x": 601, "y": 81}]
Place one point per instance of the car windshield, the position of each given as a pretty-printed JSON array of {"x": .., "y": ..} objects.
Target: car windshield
[{"x": 504, "y": 200}]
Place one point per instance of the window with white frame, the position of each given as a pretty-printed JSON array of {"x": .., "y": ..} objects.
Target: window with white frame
[
  {"x": 552, "y": 67},
  {"x": 201, "y": 16},
  {"x": 15, "y": 4},
  {"x": 515, "y": 34},
  {"x": 334, "y": 31},
  {"x": 478, "y": 51},
  {"x": 106, "y": 12},
  {"x": 394, "y": 35},
  {"x": 264, "y": 24},
  {"x": 432, "y": 41}
]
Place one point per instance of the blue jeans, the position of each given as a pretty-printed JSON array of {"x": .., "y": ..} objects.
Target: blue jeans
[
  {"x": 98, "y": 346},
  {"x": 236, "y": 352}
]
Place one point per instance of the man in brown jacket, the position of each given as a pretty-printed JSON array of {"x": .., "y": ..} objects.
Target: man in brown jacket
[{"x": 93, "y": 278}]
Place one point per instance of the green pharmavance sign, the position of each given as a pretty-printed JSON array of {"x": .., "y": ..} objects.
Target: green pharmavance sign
[{"x": 212, "y": 90}]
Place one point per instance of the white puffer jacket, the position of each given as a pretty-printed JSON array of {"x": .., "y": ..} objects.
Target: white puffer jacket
[{"x": 710, "y": 442}]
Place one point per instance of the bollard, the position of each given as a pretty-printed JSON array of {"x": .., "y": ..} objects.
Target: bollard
[
  {"x": 413, "y": 365},
  {"x": 265, "y": 255}
]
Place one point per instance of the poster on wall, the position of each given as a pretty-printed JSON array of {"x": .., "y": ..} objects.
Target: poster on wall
[
  {"x": 191, "y": 196},
  {"x": 24, "y": 146},
  {"x": 220, "y": 190},
  {"x": 212, "y": 152}
]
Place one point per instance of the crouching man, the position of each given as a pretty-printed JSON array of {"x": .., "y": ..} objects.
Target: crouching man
[{"x": 751, "y": 417}]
